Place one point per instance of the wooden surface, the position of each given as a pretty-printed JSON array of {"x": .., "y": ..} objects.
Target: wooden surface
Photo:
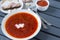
[{"x": 52, "y": 15}]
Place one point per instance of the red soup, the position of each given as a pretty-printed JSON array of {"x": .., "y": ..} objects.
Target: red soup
[
  {"x": 29, "y": 21},
  {"x": 42, "y": 3}
]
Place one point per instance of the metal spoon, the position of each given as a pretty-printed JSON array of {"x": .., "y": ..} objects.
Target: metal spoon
[{"x": 44, "y": 26}]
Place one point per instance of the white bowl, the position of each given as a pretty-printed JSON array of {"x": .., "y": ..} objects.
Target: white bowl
[
  {"x": 8, "y": 11},
  {"x": 42, "y": 8},
  {"x": 14, "y": 12}
]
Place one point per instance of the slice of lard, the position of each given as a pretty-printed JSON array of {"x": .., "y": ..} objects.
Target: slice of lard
[{"x": 5, "y": 5}]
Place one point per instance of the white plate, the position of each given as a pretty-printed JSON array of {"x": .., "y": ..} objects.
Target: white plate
[{"x": 8, "y": 11}]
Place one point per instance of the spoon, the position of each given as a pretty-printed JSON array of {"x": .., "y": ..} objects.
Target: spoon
[{"x": 44, "y": 26}]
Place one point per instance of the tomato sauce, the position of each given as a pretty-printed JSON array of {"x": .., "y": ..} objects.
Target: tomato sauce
[
  {"x": 42, "y": 3},
  {"x": 30, "y": 25}
]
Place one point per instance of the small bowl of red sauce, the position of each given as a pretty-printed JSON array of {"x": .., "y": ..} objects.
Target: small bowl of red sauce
[
  {"x": 21, "y": 25},
  {"x": 42, "y": 5}
]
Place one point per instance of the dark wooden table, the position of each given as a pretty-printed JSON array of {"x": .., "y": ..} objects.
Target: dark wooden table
[{"x": 52, "y": 15}]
